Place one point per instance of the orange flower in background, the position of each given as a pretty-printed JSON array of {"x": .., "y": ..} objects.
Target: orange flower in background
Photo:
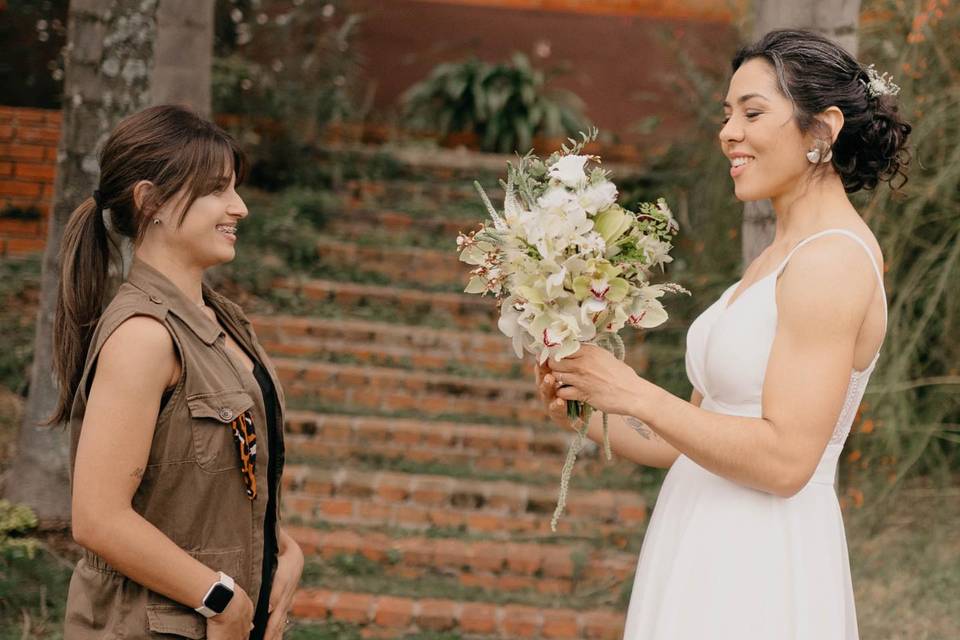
[{"x": 856, "y": 495}]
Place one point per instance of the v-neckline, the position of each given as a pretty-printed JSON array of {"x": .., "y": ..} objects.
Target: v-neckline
[{"x": 732, "y": 301}]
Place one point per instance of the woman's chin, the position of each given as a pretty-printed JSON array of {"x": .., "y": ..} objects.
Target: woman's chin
[{"x": 744, "y": 194}]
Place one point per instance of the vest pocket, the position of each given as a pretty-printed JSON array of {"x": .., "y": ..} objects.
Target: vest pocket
[
  {"x": 213, "y": 439},
  {"x": 167, "y": 616}
]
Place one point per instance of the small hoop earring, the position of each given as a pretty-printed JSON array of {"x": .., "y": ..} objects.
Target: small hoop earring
[{"x": 156, "y": 221}]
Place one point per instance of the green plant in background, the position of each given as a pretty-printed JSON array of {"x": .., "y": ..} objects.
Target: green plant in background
[
  {"x": 910, "y": 422},
  {"x": 15, "y": 522},
  {"x": 283, "y": 77},
  {"x": 19, "y": 291},
  {"x": 278, "y": 238},
  {"x": 504, "y": 104}
]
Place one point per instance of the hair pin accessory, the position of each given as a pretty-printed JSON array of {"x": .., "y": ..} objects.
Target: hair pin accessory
[{"x": 879, "y": 84}]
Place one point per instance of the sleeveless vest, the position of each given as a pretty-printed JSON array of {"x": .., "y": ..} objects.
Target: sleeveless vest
[{"x": 192, "y": 489}]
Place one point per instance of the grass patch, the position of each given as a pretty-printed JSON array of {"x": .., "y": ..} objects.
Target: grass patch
[
  {"x": 266, "y": 300},
  {"x": 309, "y": 403},
  {"x": 19, "y": 301},
  {"x": 405, "y": 363},
  {"x": 33, "y": 595},
  {"x": 343, "y": 631},
  {"x": 617, "y": 477},
  {"x": 906, "y": 565},
  {"x": 433, "y": 584}
]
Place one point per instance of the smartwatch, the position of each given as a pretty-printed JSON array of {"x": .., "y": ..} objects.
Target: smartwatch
[{"x": 218, "y": 597}]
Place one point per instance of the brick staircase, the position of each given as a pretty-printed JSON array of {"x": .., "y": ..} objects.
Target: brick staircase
[{"x": 422, "y": 473}]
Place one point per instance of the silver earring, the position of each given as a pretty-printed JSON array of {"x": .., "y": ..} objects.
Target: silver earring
[
  {"x": 156, "y": 221},
  {"x": 816, "y": 156}
]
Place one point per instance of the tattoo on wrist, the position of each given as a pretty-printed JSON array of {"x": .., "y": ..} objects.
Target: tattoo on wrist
[{"x": 641, "y": 427}]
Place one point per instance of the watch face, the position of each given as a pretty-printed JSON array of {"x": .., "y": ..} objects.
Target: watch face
[{"x": 218, "y": 598}]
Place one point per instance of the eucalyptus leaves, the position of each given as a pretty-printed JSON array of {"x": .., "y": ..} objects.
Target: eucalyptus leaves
[{"x": 567, "y": 264}]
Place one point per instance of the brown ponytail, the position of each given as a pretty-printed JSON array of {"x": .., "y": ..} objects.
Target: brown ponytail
[{"x": 181, "y": 154}]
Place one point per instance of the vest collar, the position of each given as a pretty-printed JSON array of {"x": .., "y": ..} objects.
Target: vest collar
[{"x": 161, "y": 290}]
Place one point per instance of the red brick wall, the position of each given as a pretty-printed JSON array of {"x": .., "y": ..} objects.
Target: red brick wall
[
  {"x": 28, "y": 156},
  {"x": 622, "y": 64}
]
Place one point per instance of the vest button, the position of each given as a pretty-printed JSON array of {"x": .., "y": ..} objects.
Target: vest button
[
  {"x": 226, "y": 414},
  {"x": 155, "y": 300}
]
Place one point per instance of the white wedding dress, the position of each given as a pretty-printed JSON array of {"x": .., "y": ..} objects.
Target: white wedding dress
[{"x": 721, "y": 561}]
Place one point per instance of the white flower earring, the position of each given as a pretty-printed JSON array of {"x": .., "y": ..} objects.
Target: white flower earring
[{"x": 817, "y": 156}]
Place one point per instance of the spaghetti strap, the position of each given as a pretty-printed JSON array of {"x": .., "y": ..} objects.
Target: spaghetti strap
[{"x": 849, "y": 234}]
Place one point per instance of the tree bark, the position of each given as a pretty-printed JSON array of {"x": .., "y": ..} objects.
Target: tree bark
[
  {"x": 111, "y": 66},
  {"x": 836, "y": 19},
  {"x": 183, "y": 57}
]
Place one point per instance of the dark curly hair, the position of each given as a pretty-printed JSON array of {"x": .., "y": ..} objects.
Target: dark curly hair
[{"x": 815, "y": 73}]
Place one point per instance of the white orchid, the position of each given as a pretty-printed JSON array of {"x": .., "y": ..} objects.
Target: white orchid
[
  {"x": 646, "y": 310},
  {"x": 598, "y": 197},
  {"x": 568, "y": 264}
]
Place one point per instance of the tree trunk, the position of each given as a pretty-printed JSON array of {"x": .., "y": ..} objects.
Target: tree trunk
[
  {"x": 836, "y": 19},
  {"x": 183, "y": 55},
  {"x": 111, "y": 60}
]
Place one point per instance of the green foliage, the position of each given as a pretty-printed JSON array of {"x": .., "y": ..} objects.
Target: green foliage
[
  {"x": 33, "y": 581},
  {"x": 19, "y": 288},
  {"x": 911, "y": 419},
  {"x": 33, "y": 593},
  {"x": 283, "y": 78},
  {"x": 504, "y": 104},
  {"x": 278, "y": 237},
  {"x": 15, "y": 521}
]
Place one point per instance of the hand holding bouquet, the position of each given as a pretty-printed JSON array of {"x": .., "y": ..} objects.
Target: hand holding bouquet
[{"x": 568, "y": 265}]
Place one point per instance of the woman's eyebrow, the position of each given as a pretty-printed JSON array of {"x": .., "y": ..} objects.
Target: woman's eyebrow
[{"x": 745, "y": 97}]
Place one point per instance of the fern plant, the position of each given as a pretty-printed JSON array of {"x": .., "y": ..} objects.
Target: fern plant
[{"x": 504, "y": 104}]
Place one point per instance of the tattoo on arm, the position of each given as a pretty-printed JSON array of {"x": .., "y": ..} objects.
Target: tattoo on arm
[
  {"x": 138, "y": 473},
  {"x": 640, "y": 427}
]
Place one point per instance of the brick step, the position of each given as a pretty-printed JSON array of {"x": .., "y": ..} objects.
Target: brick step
[
  {"x": 415, "y": 162},
  {"x": 415, "y": 501},
  {"x": 476, "y": 449},
  {"x": 559, "y": 569},
  {"x": 382, "y": 389},
  {"x": 10, "y": 247},
  {"x": 456, "y": 198},
  {"x": 377, "y": 342},
  {"x": 382, "y": 616},
  {"x": 408, "y": 306},
  {"x": 387, "y": 226},
  {"x": 435, "y": 360},
  {"x": 421, "y": 268}
]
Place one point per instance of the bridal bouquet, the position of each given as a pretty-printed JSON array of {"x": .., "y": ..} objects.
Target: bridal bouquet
[{"x": 569, "y": 265}]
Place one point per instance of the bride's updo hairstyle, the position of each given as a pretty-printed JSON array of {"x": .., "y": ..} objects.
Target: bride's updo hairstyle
[{"x": 815, "y": 73}]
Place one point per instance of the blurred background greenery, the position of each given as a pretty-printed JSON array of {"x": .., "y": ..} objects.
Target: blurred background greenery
[{"x": 302, "y": 114}]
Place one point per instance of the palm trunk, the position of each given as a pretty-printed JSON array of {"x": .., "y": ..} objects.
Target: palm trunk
[
  {"x": 112, "y": 59},
  {"x": 836, "y": 19}
]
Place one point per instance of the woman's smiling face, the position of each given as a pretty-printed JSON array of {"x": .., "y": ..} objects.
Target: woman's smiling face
[{"x": 760, "y": 136}]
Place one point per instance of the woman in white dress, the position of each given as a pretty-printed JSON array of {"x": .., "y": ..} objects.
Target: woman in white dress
[{"x": 746, "y": 540}]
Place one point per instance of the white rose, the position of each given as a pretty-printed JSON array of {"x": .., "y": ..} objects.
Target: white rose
[{"x": 569, "y": 170}]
